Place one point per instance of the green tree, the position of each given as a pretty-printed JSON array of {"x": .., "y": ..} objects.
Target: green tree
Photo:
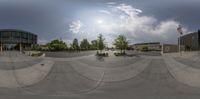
[
  {"x": 94, "y": 44},
  {"x": 100, "y": 43},
  {"x": 75, "y": 44},
  {"x": 121, "y": 43},
  {"x": 70, "y": 48},
  {"x": 35, "y": 47},
  {"x": 57, "y": 45},
  {"x": 85, "y": 45}
]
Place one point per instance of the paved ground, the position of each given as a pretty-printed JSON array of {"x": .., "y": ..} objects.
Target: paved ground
[
  {"x": 15, "y": 60},
  {"x": 189, "y": 62},
  {"x": 84, "y": 78}
]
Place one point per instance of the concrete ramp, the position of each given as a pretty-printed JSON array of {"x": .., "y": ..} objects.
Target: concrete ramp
[
  {"x": 111, "y": 74},
  {"x": 26, "y": 76},
  {"x": 63, "y": 80},
  {"x": 14, "y": 56},
  {"x": 183, "y": 73},
  {"x": 186, "y": 55},
  {"x": 75, "y": 77}
]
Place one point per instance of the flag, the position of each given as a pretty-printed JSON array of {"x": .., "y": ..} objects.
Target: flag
[{"x": 179, "y": 29}]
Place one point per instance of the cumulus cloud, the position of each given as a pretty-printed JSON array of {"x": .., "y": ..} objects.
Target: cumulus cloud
[
  {"x": 105, "y": 12},
  {"x": 111, "y": 3},
  {"x": 128, "y": 9},
  {"x": 128, "y": 21},
  {"x": 75, "y": 26}
]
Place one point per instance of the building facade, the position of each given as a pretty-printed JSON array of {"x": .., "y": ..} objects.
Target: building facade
[
  {"x": 12, "y": 39},
  {"x": 151, "y": 46},
  {"x": 191, "y": 41},
  {"x": 169, "y": 48}
]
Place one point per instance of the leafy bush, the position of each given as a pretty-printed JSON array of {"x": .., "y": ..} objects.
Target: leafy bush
[
  {"x": 145, "y": 49},
  {"x": 36, "y": 54},
  {"x": 57, "y": 45},
  {"x": 120, "y": 54},
  {"x": 103, "y": 54}
]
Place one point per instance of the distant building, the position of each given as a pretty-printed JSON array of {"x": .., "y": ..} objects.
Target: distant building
[
  {"x": 151, "y": 46},
  {"x": 191, "y": 41},
  {"x": 12, "y": 39}
]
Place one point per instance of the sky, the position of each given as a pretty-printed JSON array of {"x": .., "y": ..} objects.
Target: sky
[{"x": 139, "y": 20}]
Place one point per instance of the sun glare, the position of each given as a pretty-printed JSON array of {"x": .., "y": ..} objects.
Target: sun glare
[{"x": 99, "y": 21}]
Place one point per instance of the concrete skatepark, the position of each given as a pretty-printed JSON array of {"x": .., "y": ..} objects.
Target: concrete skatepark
[{"x": 85, "y": 76}]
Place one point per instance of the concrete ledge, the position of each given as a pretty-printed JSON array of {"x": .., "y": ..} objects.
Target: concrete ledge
[
  {"x": 183, "y": 55},
  {"x": 25, "y": 77},
  {"x": 183, "y": 73},
  {"x": 111, "y": 74},
  {"x": 67, "y": 59}
]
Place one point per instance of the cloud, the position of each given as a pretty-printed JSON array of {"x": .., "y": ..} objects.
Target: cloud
[
  {"x": 75, "y": 26},
  {"x": 105, "y": 12},
  {"x": 146, "y": 28},
  {"x": 111, "y": 3},
  {"x": 42, "y": 41},
  {"x": 128, "y": 9},
  {"x": 127, "y": 20}
]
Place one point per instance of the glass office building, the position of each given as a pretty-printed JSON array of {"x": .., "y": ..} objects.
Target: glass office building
[{"x": 12, "y": 39}]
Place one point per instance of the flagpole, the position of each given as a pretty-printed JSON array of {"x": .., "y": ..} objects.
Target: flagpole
[
  {"x": 180, "y": 45},
  {"x": 179, "y": 30}
]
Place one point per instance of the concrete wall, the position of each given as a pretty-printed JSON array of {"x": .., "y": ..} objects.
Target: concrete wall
[
  {"x": 151, "y": 46},
  {"x": 170, "y": 48}
]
